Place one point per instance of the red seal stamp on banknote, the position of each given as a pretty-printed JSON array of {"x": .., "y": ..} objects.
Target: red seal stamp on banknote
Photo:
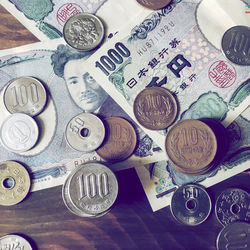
[
  {"x": 222, "y": 74},
  {"x": 66, "y": 11}
]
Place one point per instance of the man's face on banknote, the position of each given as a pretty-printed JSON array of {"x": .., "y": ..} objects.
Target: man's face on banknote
[{"x": 84, "y": 90}]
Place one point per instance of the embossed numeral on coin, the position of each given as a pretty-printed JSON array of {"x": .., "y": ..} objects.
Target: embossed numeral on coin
[
  {"x": 189, "y": 135},
  {"x": 22, "y": 94},
  {"x": 79, "y": 123},
  {"x": 93, "y": 185},
  {"x": 115, "y": 56},
  {"x": 190, "y": 193},
  {"x": 239, "y": 43}
]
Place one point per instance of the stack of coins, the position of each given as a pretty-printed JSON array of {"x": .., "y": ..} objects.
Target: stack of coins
[
  {"x": 90, "y": 190},
  {"x": 194, "y": 147},
  {"x": 24, "y": 97}
]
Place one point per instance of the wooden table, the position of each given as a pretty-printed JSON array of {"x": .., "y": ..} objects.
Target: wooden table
[{"x": 44, "y": 220}]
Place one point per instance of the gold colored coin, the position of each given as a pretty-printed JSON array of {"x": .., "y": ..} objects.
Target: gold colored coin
[
  {"x": 191, "y": 146},
  {"x": 155, "y": 108},
  {"x": 14, "y": 183},
  {"x": 154, "y": 4},
  {"x": 120, "y": 140}
]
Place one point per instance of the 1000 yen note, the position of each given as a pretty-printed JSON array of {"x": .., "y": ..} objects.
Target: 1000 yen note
[
  {"x": 160, "y": 180},
  {"x": 71, "y": 91},
  {"x": 166, "y": 49}
]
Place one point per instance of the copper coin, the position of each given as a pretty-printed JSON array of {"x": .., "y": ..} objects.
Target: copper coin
[
  {"x": 120, "y": 140},
  {"x": 153, "y": 4},
  {"x": 191, "y": 145},
  {"x": 155, "y": 108}
]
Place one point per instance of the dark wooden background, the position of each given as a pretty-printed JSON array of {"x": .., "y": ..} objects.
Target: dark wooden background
[{"x": 44, "y": 220}]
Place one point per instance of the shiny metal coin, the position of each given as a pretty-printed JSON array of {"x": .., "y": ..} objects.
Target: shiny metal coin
[
  {"x": 14, "y": 183},
  {"x": 92, "y": 189},
  {"x": 155, "y": 108},
  {"x": 19, "y": 132},
  {"x": 11, "y": 241},
  {"x": 234, "y": 236},
  {"x": 191, "y": 145},
  {"x": 25, "y": 95},
  {"x": 85, "y": 132},
  {"x": 190, "y": 204},
  {"x": 120, "y": 140},
  {"x": 153, "y": 4},
  {"x": 83, "y": 31},
  {"x": 235, "y": 45},
  {"x": 233, "y": 204}
]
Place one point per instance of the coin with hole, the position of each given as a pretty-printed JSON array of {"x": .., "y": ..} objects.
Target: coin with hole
[
  {"x": 85, "y": 132},
  {"x": 14, "y": 183}
]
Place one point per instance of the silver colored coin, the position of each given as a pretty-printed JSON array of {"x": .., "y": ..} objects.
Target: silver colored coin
[
  {"x": 83, "y": 31},
  {"x": 234, "y": 236},
  {"x": 19, "y": 132},
  {"x": 235, "y": 45},
  {"x": 85, "y": 132},
  {"x": 93, "y": 189},
  {"x": 25, "y": 95},
  {"x": 233, "y": 204},
  {"x": 12, "y": 241},
  {"x": 190, "y": 204}
]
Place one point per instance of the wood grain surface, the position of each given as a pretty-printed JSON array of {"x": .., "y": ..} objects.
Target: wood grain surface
[{"x": 44, "y": 220}]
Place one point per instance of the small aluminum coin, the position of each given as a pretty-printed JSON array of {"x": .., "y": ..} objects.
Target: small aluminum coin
[
  {"x": 14, "y": 183},
  {"x": 190, "y": 204},
  {"x": 83, "y": 31},
  {"x": 191, "y": 145},
  {"x": 233, "y": 204},
  {"x": 85, "y": 132},
  {"x": 120, "y": 140},
  {"x": 235, "y": 45},
  {"x": 234, "y": 236},
  {"x": 153, "y": 4},
  {"x": 93, "y": 188},
  {"x": 12, "y": 241},
  {"x": 155, "y": 108},
  {"x": 19, "y": 132},
  {"x": 25, "y": 95}
]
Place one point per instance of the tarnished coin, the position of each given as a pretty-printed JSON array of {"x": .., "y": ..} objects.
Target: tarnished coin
[
  {"x": 155, "y": 108},
  {"x": 233, "y": 204},
  {"x": 234, "y": 236},
  {"x": 83, "y": 31},
  {"x": 235, "y": 44},
  {"x": 25, "y": 95},
  {"x": 12, "y": 241},
  {"x": 120, "y": 140},
  {"x": 19, "y": 132},
  {"x": 14, "y": 183},
  {"x": 191, "y": 204},
  {"x": 85, "y": 132},
  {"x": 191, "y": 145},
  {"x": 93, "y": 189},
  {"x": 153, "y": 4}
]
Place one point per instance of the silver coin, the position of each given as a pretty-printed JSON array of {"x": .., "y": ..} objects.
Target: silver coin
[
  {"x": 85, "y": 132},
  {"x": 233, "y": 204},
  {"x": 25, "y": 95},
  {"x": 83, "y": 31},
  {"x": 235, "y": 45},
  {"x": 19, "y": 132},
  {"x": 93, "y": 188},
  {"x": 234, "y": 236},
  {"x": 190, "y": 204},
  {"x": 12, "y": 241}
]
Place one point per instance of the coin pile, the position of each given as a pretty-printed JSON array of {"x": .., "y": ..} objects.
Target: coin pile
[
  {"x": 12, "y": 241},
  {"x": 193, "y": 147},
  {"x": 15, "y": 183},
  {"x": 24, "y": 98},
  {"x": 190, "y": 204},
  {"x": 90, "y": 190},
  {"x": 232, "y": 210}
]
